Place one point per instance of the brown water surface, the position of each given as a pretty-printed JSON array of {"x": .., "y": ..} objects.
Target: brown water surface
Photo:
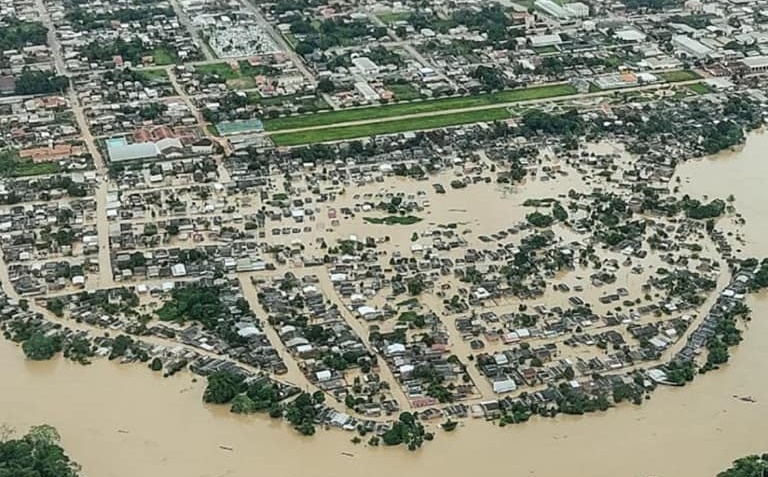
[{"x": 124, "y": 421}]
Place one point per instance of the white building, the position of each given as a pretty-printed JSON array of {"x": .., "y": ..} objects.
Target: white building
[
  {"x": 577, "y": 9},
  {"x": 690, "y": 47},
  {"x": 756, "y": 64},
  {"x": 542, "y": 41}
]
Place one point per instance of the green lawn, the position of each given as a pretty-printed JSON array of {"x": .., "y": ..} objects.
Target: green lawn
[
  {"x": 241, "y": 78},
  {"x": 682, "y": 75},
  {"x": 163, "y": 56},
  {"x": 392, "y": 17},
  {"x": 404, "y": 92},
  {"x": 223, "y": 70},
  {"x": 393, "y": 220},
  {"x": 290, "y": 39},
  {"x": 700, "y": 88},
  {"x": 389, "y": 127},
  {"x": 22, "y": 169},
  {"x": 378, "y": 112},
  {"x": 156, "y": 74},
  {"x": 542, "y": 50}
]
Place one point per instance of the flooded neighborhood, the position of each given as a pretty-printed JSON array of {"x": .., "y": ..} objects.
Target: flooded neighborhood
[
  {"x": 345, "y": 238},
  {"x": 703, "y": 423}
]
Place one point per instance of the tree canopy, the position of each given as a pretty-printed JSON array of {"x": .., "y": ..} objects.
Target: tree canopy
[
  {"x": 36, "y": 454},
  {"x": 750, "y": 466}
]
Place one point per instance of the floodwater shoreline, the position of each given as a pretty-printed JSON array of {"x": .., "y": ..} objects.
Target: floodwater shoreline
[{"x": 116, "y": 421}]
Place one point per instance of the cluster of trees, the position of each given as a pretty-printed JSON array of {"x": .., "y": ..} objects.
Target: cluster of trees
[
  {"x": 16, "y": 34},
  {"x": 750, "y": 466},
  {"x": 491, "y": 78},
  {"x": 490, "y": 20},
  {"x": 573, "y": 401},
  {"x": 726, "y": 335},
  {"x": 194, "y": 302},
  {"x": 301, "y": 412},
  {"x": 568, "y": 123},
  {"x": 721, "y": 136},
  {"x": 152, "y": 111},
  {"x": 85, "y": 19},
  {"x": 694, "y": 209},
  {"x": 285, "y": 6},
  {"x": 40, "y": 347},
  {"x": 407, "y": 430},
  {"x": 680, "y": 372},
  {"x": 105, "y": 51},
  {"x": 37, "y": 454},
  {"x": 123, "y": 345},
  {"x": 434, "y": 383},
  {"x": 760, "y": 280},
  {"x": 331, "y": 33},
  {"x": 556, "y": 65},
  {"x": 223, "y": 386},
  {"x": 40, "y": 82},
  {"x": 537, "y": 219}
]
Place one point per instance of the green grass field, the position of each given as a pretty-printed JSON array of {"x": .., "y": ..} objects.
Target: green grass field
[
  {"x": 163, "y": 56},
  {"x": 404, "y": 92},
  {"x": 682, "y": 75},
  {"x": 23, "y": 169},
  {"x": 699, "y": 88},
  {"x": 392, "y": 17},
  {"x": 223, "y": 70},
  {"x": 542, "y": 50},
  {"x": 434, "y": 105},
  {"x": 389, "y": 127},
  {"x": 156, "y": 74}
]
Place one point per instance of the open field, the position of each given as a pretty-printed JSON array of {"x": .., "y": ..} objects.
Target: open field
[
  {"x": 403, "y": 92},
  {"x": 381, "y": 112},
  {"x": 392, "y": 17},
  {"x": 389, "y": 127},
  {"x": 700, "y": 88},
  {"x": 158, "y": 74},
  {"x": 682, "y": 75},
  {"x": 163, "y": 57}
]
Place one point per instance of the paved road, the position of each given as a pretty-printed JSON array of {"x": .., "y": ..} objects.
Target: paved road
[
  {"x": 193, "y": 30},
  {"x": 104, "y": 278},
  {"x": 278, "y": 38}
]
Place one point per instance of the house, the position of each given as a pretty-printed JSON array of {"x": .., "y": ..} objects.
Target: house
[
  {"x": 503, "y": 384},
  {"x": 202, "y": 146}
]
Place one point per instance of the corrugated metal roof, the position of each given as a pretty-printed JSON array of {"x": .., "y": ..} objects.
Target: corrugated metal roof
[{"x": 128, "y": 152}]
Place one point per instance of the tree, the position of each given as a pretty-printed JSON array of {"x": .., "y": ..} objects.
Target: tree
[
  {"x": 325, "y": 85},
  {"x": 40, "y": 347},
  {"x": 537, "y": 219},
  {"x": 242, "y": 404},
  {"x": 415, "y": 285},
  {"x": 40, "y": 82},
  {"x": 55, "y": 306},
  {"x": 37, "y": 454},
  {"x": 750, "y": 466},
  {"x": 222, "y": 387},
  {"x": 156, "y": 364}
]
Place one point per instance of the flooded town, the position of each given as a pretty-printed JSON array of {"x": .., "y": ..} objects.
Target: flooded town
[{"x": 384, "y": 237}]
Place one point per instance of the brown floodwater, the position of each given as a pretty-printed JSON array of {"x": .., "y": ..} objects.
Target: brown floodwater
[{"x": 123, "y": 421}]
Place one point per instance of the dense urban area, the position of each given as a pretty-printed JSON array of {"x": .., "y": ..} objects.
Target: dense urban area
[{"x": 390, "y": 218}]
